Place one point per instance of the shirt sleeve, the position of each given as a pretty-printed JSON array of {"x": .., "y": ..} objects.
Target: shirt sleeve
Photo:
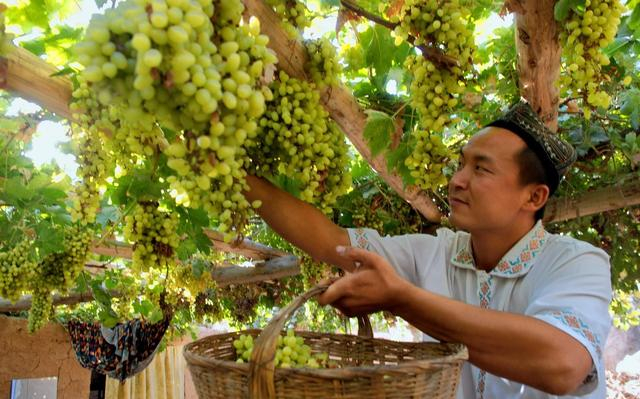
[
  {"x": 402, "y": 252},
  {"x": 575, "y": 298}
]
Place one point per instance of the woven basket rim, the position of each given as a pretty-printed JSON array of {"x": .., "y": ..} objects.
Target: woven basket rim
[{"x": 459, "y": 354}]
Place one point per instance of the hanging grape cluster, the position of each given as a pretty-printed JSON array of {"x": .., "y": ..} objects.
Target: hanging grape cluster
[
  {"x": 294, "y": 15},
  {"x": 41, "y": 309},
  {"x": 243, "y": 299},
  {"x": 584, "y": 35},
  {"x": 58, "y": 271},
  {"x": 188, "y": 66},
  {"x": 17, "y": 270},
  {"x": 206, "y": 308},
  {"x": 446, "y": 26},
  {"x": 153, "y": 234},
  {"x": 323, "y": 63},
  {"x": 298, "y": 140}
]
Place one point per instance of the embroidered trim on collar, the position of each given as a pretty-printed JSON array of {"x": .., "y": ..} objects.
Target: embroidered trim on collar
[{"x": 514, "y": 263}]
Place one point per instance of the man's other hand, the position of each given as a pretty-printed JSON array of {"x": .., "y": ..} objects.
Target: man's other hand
[{"x": 372, "y": 286}]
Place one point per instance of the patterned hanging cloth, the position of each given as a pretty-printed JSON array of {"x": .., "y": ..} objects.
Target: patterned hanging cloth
[{"x": 119, "y": 352}]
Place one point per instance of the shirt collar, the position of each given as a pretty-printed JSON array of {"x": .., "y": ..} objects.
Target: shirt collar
[{"x": 515, "y": 263}]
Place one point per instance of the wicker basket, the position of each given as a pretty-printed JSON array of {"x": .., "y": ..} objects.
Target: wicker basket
[{"x": 369, "y": 368}]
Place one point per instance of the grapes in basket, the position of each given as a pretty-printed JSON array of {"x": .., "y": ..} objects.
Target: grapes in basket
[{"x": 291, "y": 352}]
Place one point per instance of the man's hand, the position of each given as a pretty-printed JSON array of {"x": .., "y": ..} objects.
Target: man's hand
[{"x": 372, "y": 286}]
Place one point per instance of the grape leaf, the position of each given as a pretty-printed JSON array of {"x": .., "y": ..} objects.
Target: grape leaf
[
  {"x": 378, "y": 45},
  {"x": 634, "y": 18},
  {"x": 562, "y": 8},
  {"x": 378, "y": 131},
  {"x": 50, "y": 239}
]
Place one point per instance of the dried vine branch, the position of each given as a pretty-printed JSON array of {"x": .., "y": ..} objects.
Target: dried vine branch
[{"x": 429, "y": 53}]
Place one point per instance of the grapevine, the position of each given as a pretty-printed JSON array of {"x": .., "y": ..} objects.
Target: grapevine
[{"x": 585, "y": 34}]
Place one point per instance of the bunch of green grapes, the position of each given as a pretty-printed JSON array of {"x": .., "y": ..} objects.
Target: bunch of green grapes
[
  {"x": 212, "y": 165},
  {"x": 323, "y": 63},
  {"x": 207, "y": 308},
  {"x": 445, "y": 25},
  {"x": 153, "y": 233},
  {"x": 291, "y": 352},
  {"x": 59, "y": 270},
  {"x": 94, "y": 167},
  {"x": 153, "y": 63},
  {"x": 585, "y": 34},
  {"x": 188, "y": 283},
  {"x": 294, "y": 15},
  {"x": 313, "y": 272},
  {"x": 17, "y": 270},
  {"x": 41, "y": 309},
  {"x": 353, "y": 56},
  {"x": 428, "y": 160},
  {"x": 298, "y": 140},
  {"x": 242, "y": 298}
]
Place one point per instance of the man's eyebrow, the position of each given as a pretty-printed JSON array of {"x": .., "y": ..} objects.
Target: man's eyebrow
[{"x": 478, "y": 157}]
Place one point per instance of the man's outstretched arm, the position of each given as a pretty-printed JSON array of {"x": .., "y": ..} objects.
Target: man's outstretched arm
[{"x": 299, "y": 223}]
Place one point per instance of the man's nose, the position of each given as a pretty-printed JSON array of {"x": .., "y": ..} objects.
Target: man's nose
[{"x": 459, "y": 179}]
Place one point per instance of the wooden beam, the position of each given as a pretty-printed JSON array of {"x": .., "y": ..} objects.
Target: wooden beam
[
  {"x": 273, "y": 269},
  {"x": 29, "y": 77},
  {"x": 539, "y": 53},
  {"x": 340, "y": 104},
  {"x": 246, "y": 248},
  {"x": 590, "y": 203}
]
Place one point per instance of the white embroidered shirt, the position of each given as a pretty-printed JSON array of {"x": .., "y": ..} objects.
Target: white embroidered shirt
[{"x": 560, "y": 280}]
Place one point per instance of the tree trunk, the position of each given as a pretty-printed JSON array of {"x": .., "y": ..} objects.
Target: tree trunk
[{"x": 538, "y": 56}]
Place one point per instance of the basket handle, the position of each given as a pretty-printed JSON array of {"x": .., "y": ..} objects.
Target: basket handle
[{"x": 261, "y": 366}]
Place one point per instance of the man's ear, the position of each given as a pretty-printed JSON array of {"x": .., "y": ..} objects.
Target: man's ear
[{"x": 538, "y": 196}]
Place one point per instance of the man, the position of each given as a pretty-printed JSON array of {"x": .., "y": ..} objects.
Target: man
[{"x": 531, "y": 307}]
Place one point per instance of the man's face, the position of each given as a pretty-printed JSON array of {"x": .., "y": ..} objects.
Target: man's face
[{"x": 485, "y": 193}]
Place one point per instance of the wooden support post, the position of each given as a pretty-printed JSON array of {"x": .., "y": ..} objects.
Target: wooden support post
[{"x": 538, "y": 56}]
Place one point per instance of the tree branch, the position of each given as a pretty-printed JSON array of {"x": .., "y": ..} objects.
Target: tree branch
[
  {"x": 590, "y": 203},
  {"x": 429, "y": 53}
]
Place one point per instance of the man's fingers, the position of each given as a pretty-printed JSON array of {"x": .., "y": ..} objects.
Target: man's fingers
[{"x": 335, "y": 291}]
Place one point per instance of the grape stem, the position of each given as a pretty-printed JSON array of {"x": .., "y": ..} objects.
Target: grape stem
[{"x": 429, "y": 53}]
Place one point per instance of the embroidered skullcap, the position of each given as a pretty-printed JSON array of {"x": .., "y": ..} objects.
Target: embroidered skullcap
[{"x": 555, "y": 154}]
